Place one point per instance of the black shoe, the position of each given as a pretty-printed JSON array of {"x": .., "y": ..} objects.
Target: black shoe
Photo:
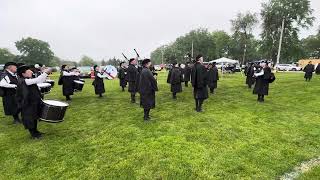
[{"x": 16, "y": 121}]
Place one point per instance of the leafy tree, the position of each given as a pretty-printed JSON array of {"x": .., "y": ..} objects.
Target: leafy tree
[
  {"x": 34, "y": 51},
  {"x": 6, "y": 56},
  {"x": 114, "y": 62},
  {"x": 296, "y": 14},
  {"x": 223, "y": 42},
  {"x": 242, "y": 27},
  {"x": 86, "y": 61},
  {"x": 311, "y": 45}
]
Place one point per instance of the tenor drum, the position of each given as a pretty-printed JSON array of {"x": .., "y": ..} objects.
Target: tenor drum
[
  {"x": 53, "y": 111},
  {"x": 78, "y": 85},
  {"x": 50, "y": 82},
  {"x": 44, "y": 88}
]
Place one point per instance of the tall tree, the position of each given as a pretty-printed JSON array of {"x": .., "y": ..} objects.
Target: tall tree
[
  {"x": 223, "y": 42},
  {"x": 295, "y": 14},
  {"x": 86, "y": 61},
  {"x": 6, "y": 56},
  {"x": 242, "y": 27},
  {"x": 34, "y": 51}
]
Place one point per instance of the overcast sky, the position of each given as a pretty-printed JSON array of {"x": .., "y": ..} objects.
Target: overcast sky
[{"x": 106, "y": 28}]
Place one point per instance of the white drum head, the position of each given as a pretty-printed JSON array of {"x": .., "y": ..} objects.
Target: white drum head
[
  {"x": 44, "y": 85},
  {"x": 56, "y": 103},
  {"x": 78, "y": 82},
  {"x": 49, "y": 80},
  {"x": 182, "y": 66}
]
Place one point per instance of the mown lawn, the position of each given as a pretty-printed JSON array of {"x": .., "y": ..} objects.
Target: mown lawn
[{"x": 234, "y": 138}]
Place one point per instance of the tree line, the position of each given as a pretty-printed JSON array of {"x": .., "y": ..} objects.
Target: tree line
[{"x": 289, "y": 15}]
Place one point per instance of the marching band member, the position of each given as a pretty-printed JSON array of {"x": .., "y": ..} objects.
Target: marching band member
[
  {"x": 175, "y": 79},
  {"x": 98, "y": 81},
  {"x": 133, "y": 76},
  {"x": 122, "y": 75},
  {"x": 147, "y": 89},
  {"x": 66, "y": 80},
  {"x": 262, "y": 81},
  {"x": 9, "y": 81},
  {"x": 187, "y": 74},
  {"x": 250, "y": 75},
  {"x": 199, "y": 82},
  {"x": 29, "y": 98},
  {"x": 213, "y": 77}
]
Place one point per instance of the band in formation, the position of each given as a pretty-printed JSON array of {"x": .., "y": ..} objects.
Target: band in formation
[{"x": 23, "y": 87}]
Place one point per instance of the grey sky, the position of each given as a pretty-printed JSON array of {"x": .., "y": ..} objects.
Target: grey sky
[{"x": 106, "y": 28}]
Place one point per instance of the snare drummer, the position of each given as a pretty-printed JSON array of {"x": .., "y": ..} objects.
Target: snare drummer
[
  {"x": 66, "y": 79},
  {"x": 98, "y": 81},
  {"x": 29, "y": 98}
]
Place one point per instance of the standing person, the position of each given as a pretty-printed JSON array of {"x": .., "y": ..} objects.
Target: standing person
[
  {"x": 133, "y": 76},
  {"x": 250, "y": 75},
  {"x": 309, "y": 69},
  {"x": 147, "y": 89},
  {"x": 318, "y": 69},
  {"x": 213, "y": 77},
  {"x": 66, "y": 78},
  {"x": 175, "y": 79},
  {"x": 199, "y": 82},
  {"x": 9, "y": 82},
  {"x": 98, "y": 81},
  {"x": 122, "y": 76},
  {"x": 187, "y": 74},
  {"x": 29, "y": 98},
  {"x": 262, "y": 81}
]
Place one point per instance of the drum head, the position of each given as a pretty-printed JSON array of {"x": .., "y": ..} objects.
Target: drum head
[
  {"x": 78, "y": 82},
  {"x": 56, "y": 103},
  {"x": 111, "y": 72},
  {"x": 49, "y": 80},
  {"x": 183, "y": 66},
  {"x": 43, "y": 85}
]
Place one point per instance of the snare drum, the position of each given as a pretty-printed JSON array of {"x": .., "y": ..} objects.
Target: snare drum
[
  {"x": 44, "y": 88},
  {"x": 78, "y": 85},
  {"x": 53, "y": 111},
  {"x": 50, "y": 82}
]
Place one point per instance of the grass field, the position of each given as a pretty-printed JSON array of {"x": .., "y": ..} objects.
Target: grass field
[{"x": 234, "y": 138}]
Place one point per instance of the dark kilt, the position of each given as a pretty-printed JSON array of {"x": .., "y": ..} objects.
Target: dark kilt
[
  {"x": 213, "y": 84},
  {"x": 10, "y": 105},
  {"x": 200, "y": 93},
  {"x": 133, "y": 87},
  {"x": 176, "y": 88},
  {"x": 261, "y": 87},
  {"x": 148, "y": 101}
]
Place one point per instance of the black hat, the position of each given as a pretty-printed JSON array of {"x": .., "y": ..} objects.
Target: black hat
[
  {"x": 94, "y": 67},
  {"x": 174, "y": 63},
  {"x": 63, "y": 66},
  {"x": 198, "y": 57},
  {"x": 22, "y": 69},
  {"x": 132, "y": 59},
  {"x": 145, "y": 61},
  {"x": 10, "y": 64}
]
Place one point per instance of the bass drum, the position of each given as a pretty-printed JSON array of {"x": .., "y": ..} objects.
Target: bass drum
[
  {"x": 53, "y": 111},
  {"x": 44, "y": 88},
  {"x": 78, "y": 85}
]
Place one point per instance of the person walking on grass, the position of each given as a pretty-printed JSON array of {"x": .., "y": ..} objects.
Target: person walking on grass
[
  {"x": 263, "y": 76},
  {"x": 213, "y": 77},
  {"x": 133, "y": 76},
  {"x": 147, "y": 89},
  {"x": 98, "y": 81},
  {"x": 199, "y": 81},
  {"x": 175, "y": 80},
  {"x": 309, "y": 69}
]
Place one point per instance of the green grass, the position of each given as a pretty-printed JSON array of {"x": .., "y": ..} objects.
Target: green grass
[{"x": 234, "y": 138}]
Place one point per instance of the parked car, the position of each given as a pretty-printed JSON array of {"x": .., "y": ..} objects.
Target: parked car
[
  {"x": 287, "y": 67},
  {"x": 1, "y": 67}
]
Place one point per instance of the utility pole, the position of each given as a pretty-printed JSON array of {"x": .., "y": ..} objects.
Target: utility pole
[{"x": 280, "y": 42}]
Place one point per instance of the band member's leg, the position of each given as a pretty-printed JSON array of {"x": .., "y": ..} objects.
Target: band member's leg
[
  {"x": 16, "y": 119},
  {"x": 133, "y": 97},
  {"x": 68, "y": 97},
  {"x": 186, "y": 83}
]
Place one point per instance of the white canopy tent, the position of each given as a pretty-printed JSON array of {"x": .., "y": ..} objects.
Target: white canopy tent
[{"x": 225, "y": 61}]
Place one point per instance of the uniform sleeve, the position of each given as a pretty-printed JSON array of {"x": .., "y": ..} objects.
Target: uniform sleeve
[
  {"x": 101, "y": 76},
  {"x": 261, "y": 73},
  {"x": 5, "y": 82},
  {"x": 40, "y": 79},
  {"x": 64, "y": 73}
]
